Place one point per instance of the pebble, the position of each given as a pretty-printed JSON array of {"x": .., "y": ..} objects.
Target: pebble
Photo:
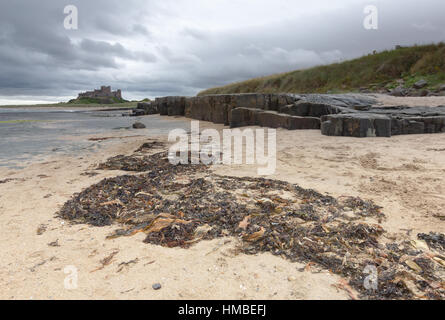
[
  {"x": 157, "y": 286},
  {"x": 291, "y": 278}
]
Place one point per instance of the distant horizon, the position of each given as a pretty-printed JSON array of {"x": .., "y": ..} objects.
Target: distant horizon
[{"x": 49, "y": 100}]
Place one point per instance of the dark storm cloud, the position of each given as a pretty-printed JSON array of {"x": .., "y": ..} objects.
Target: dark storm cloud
[
  {"x": 152, "y": 48},
  {"x": 314, "y": 39},
  {"x": 38, "y": 56}
]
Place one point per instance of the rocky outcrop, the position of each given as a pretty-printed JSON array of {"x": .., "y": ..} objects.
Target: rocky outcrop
[
  {"x": 386, "y": 122},
  {"x": 244, "y": 117},
  {"x": 308, "y": 109},
  {"x": 170, "y": 106},
  {"x": 219, "y": 108},
  {"x": 273, "y": 119},
  {"x": 358, "y": 125},
  {"x": 137, "y": 113},
  {"x": 418, "y": 125},
  {"x": 147, "y": 107},
  {"x": 418, "y": 89},
  {"x": 354, "y": 115},
  {"x": 303, "y": 123}
]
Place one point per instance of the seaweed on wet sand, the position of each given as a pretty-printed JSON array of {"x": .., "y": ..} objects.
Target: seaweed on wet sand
[
  {"x": 148, "y": 146},
  {"x": 434, "y": 240},
  {"x": 6, "y": 181},
  {"x": 177, "y": 206},
  {"x": 157, "y": 164}
]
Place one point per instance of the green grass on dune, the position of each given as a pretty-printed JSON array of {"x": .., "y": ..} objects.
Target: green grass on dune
[
  {"x": 107, "y": 100},
  {"x": 373, "y": 71}
]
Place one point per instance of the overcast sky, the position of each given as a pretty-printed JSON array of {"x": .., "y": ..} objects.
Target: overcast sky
[{"x": 152, "y": 48}]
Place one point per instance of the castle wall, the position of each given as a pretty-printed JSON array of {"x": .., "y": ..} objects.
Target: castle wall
[{"x": 103, "y": 92}]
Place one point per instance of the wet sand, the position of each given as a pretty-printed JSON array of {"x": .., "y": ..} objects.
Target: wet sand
[{"x": 403, "y": 174}]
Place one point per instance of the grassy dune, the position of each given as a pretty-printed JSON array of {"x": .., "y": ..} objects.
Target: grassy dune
[{"x": 374, "y": 71}]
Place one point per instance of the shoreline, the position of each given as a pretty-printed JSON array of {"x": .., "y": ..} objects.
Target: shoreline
[
  {"x": 87, "y": 107},
  {"x": 400, "y": 174}
]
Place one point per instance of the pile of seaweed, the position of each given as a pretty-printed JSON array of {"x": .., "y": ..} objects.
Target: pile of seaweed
[
  {"x": 139, "y": 162},
  {"x": 177, "y": 206}
]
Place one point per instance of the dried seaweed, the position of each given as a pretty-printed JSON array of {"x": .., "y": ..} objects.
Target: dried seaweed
[
  {"x": 6, "y": 181},
  {"x": 155, "y": 163},
  {"x": 434, "y": 240},
  {"x": 148, "y": 146},
  {"x": 177, "y": 206}
]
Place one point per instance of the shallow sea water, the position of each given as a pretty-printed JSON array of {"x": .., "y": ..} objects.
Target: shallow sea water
[{"x": 30, "y": 134}]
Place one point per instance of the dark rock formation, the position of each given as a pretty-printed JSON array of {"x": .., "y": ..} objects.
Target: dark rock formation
[
  {"x": 309, "y": 109},
  {"x": 138, "y": 125},
  {"x": 137, "y": 113},
  {"x": 243, "y": 117},
  {"x": 402, "y": 120},
  {"x": 219, "y": 108},
  {"x": 354, "y": 115},
  {"x": 147, "y": 108},
  {"x": 170, "y": 106},
  {"x": 358, "y": 125},
  {"x": 302, "y": 123},
  {"x": 399, "y": 92},
  {"x": 274, "y": 119},
  {"x": 424, "y": 93},
  {"x": 420, "y": 84}
]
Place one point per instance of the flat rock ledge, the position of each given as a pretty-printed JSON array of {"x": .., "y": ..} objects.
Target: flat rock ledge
[{"x": 354, "y": 115}]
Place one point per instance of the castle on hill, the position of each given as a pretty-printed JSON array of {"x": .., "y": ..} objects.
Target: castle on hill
[{"x": 103, "y": 92}]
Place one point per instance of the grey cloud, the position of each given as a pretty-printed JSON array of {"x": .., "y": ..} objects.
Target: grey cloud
[
  {"x": 141, "y": 29},
  {"x": 195, "y": 33},
  {"x": 114, "y": 26},
  {"x": 163, "y": 47},
  {"x": 103, "y": 47}
]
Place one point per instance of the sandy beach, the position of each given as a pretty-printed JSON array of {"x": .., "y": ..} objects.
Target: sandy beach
[
  {"x": 221, "y": 158},
  {"x": 403, "y": 174}
]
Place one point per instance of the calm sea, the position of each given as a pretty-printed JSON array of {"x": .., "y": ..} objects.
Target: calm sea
[{"x": 29, "y": 134}]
